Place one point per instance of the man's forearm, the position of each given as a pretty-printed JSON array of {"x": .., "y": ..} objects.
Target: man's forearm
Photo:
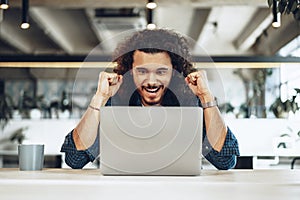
[
  {"x": 216, "y": 129},
  {"x": 86, "y": 131}
]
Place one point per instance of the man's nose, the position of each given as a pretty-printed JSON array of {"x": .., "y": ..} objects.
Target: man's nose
[{"x": 152, "y": 78}]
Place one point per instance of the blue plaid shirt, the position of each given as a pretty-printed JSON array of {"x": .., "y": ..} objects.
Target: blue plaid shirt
[{"x": 225, "y": 159}]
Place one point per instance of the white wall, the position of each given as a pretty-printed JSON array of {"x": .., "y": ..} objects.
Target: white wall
[
  {"x": 260, "y": 137},
  {"x": 50, "y": 132}
]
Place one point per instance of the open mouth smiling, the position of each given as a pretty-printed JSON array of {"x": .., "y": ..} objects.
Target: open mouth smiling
[{"x": 152, "y": 89}]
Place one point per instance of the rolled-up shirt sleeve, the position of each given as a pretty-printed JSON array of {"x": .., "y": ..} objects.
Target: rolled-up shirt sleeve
[
  {"x": 226, "y": 158},
  {"x": 77, "y": 159}
]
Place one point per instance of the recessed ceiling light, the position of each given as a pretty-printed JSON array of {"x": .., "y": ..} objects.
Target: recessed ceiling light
[
  {"x": 276, "y": 15},
  {"x": 151, "y": 26},
  {"x": 25, "y": 25},
  {"x": 4, "y": 4},
  {"x": 25, "y": 7},
  {"x": 151, "y": 4}
]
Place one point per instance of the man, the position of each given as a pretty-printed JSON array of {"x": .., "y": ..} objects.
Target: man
[{"x": 153, "y": 69}]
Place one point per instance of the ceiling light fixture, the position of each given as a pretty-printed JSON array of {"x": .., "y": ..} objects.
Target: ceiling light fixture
[
  {"x": 4, "y": 4},
  {"x": 151, "y": 4},
  {"x": 150, "y": 25},
  {"x": 276, "y": 15},
  {"x": 25, "y": 7}
]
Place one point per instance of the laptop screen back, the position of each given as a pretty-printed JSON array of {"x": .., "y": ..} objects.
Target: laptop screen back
[{"x": 150, "y": 140}]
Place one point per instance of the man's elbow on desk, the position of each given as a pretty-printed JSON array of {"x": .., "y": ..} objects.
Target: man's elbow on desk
[{"x": 223, "y": 162}]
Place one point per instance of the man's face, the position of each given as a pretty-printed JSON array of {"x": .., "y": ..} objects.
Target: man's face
[{"x": 152, "y": 73}]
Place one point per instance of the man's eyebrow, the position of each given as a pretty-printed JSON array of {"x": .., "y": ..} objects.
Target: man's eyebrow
[
  {"x": 147, "y": 68},
  {"x": 163, "y": 68},
  {"x": 141, "y": 67}
]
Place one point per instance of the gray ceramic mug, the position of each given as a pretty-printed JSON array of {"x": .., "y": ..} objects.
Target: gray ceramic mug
[{"x": 31, "y": 157}]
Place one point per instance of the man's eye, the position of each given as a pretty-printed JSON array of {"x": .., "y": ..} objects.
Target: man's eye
[
  {"x": 162, "y": 72},
  {"x": 141, "y": 71}
]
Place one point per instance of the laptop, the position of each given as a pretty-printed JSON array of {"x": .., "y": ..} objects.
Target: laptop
[{"x": 150, "y": 140}]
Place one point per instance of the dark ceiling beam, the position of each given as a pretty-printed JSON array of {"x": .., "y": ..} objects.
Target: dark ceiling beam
[
  {"x": 30, "y": 41},
  {"x": 111, "y": 25},
  {"x": 11, "y": 32},
  {"x": 274, "y": 39},
  {"x": 259, "y": 22},
  {"x": 69, "y": 29},
  {"x": 135, "y": 3},
  {"x": 81, "y": 3},
  {"x": 52, "y": 26},
  {"x": 6, "y": 48},
  {"x": 198, "y": 21}
]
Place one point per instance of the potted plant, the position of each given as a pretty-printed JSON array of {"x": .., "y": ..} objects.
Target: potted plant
[
  {"x": 282, "y": 109},
  {"x": 254, "y": 81},
  {"x": 12, "y": 140}
]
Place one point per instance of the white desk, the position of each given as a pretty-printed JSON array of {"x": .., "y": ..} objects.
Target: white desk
[{"x": 89, "y": 184}]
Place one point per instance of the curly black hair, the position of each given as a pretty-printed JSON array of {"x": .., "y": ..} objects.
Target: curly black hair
[{"x": 154, "y": 41}]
